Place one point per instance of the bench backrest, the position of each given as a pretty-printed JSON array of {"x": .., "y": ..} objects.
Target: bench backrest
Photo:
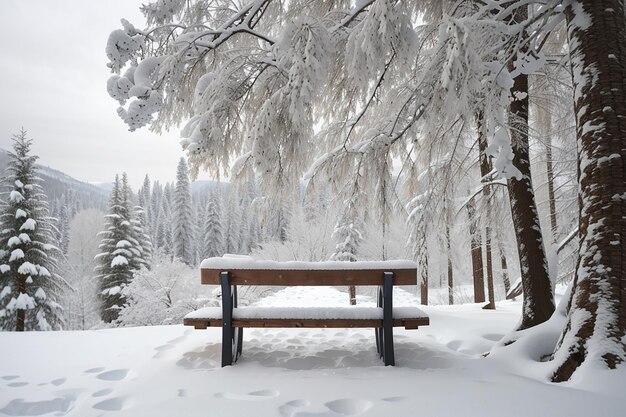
[{"x": 309, "y": 277}]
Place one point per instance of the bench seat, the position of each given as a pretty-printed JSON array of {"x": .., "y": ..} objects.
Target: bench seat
[{"x": 331, "y": 317}]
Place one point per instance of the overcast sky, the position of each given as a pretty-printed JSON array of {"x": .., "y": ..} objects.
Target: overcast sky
[{"x": 53, "y": 83}]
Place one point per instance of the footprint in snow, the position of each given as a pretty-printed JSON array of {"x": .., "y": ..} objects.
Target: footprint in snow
[
  {"x": 290, "y": 408},
  {"x": 20, "y": 407},
  {"x": 177, "y": 340},
  {"x": 10, "y": 377},
  {"x": 251, "y": 396},
  {"x": 349, "y": 406},
  {"x": 58, "y": 381},
  {"x": 17, "y": 384},
  {"x": 94, "y": 370},
  {"x": 112, "y": 404},
  {"x": 114, "y": 375},
  {"x": 493, "y": 337},
  {"x": 164, "y": 347},
  {"x": 396, "y": 399},
  {"x": 102, "y": 392}
]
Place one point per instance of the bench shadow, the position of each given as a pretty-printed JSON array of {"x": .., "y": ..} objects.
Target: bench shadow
[
  {"x": 208, "y": 357},
  {"x": 312, "y": 353}
]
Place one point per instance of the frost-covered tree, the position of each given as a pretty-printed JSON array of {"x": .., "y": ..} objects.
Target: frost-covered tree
[
  {"x": 81, "y": 302},
  {"x": 139, "y": 223},
  {"x": 182, "y": 216},
  {"x": 348, "y": 237},
  {"x": 120, "y": 252},
  {"x": 163, "y": 295},
  {"x": 213, "y": 236},
  {"x": 30, "y": 287}
]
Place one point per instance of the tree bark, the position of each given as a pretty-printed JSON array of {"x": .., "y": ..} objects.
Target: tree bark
[
  {"x": 596, "y": 324},
  {"x": 505, "y": 272},
  {"x": 485, "y": 169},
  {"x": 352, "y": 291},
  {"x": 476, "y": 251},
  {"x": 450, "y": 272},
  {"x": 424, "y": 274},
  {"x": 538, "y": 304},
  {"x": 20, "y": 313}
]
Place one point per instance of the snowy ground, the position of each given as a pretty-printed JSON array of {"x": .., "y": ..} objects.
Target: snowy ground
[{"x": 174, "y": 371}]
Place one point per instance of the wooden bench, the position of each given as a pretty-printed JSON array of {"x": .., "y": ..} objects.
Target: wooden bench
[{"x": 232, "y": 272}]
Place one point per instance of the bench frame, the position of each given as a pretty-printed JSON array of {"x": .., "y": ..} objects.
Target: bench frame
[{"x": 232, "y": 329}]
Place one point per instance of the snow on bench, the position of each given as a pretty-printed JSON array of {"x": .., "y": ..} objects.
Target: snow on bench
[{"x": 307, "y": 313}]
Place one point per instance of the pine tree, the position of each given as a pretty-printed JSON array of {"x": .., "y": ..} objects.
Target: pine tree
[
  {"x": 143, "y": 239},
  {"x": 120, "y": 254},
  {"x": 213, "y": 232},
  {"x": 29, "y": 284},
  {"x": 183, "y": 230},
  {"x": 348, "y": 237}
]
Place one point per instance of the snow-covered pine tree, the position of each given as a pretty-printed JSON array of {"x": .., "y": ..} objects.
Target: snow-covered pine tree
[
  {"x": 213, "y": 237},
  {"x": 165, "y": 224},
  {"x": 139, "y": 223},
  {"x": 120, "y": 255},
  {"x": 29, "y": 284},
  {"x": 183, "y": 227},
  {"x": 232, "y": 217},
  {"x": 199, "y": 212},
  {"x": 348, "y": 237}
]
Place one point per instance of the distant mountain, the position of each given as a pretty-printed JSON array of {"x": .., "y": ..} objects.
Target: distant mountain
[{"x": 56, "y": 184}]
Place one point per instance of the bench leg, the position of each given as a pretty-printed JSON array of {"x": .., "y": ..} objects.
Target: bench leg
[
  {"x": 378, "y": 331},
  {"x": 237, "y": 331},
  {"x": 227, "y": 320},
  {"x": 387, "y": 330}
]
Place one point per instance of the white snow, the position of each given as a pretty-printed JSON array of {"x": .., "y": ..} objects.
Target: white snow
[
  {"x": 29, "y": 224},
  {"x": 16, "y": 254},
  {"x": 4, "y": 268},
  {"x": 20, "y": 213},
  {"x": 119, "y": 260},
  {"x": 27, "y": 269},
  {"x": 40, "y": 294},
  {"x": 19, "y": 184},
  {"x": 24, "y": 302},
  {"x": 245, "y": 262},
  {"x": 16, "y": 197},
  {"x": 5, "y": 291},
  {"x": 353, "y": 312},
  {"x": 14, "y": 241},
  {"x": 166, "y": 371}
]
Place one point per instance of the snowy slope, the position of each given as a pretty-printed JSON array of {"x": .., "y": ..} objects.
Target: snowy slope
[{"x": 175, "y": 371}]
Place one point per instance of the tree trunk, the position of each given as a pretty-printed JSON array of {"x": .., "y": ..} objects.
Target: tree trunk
[
  {"x": 20, "y": 313},
  {"x": 477, "y": 254},
  {"x": 596, "y": 324},
  {"x": 505, "y": 272},
  {"x": 538, "y": 303},
  {"x": 450, "y": 274},
  {"x": 490, "y": 288},
  {"x": 424, "y": 274},
  {"x": 352, "y": 291},
  {"x": 485, "y": 169},
  {"x": 551, "y": 197}
]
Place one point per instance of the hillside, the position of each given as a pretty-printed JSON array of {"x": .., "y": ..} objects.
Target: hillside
[{"x": 56, "y": 183}]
